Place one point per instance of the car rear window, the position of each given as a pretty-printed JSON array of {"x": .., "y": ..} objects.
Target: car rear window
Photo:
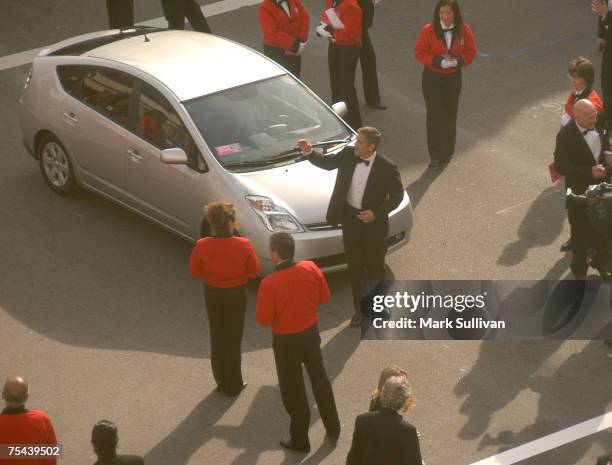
[{"x": 87, "y": 45}]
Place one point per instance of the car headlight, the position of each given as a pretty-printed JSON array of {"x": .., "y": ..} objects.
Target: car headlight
[{"x": 274, "y": 217}]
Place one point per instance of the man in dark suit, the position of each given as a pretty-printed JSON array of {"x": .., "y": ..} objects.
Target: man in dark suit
[
  {"x": 367, "y": 57},
  {"x": 579, "y": 157},
  {"x": 603, "y": 8},
  {"x": 104, "y": 439},
  {"x": 120, "y": 13},
  {"x": 368, "y": 187},
  {"x": 383, "y": 437},
  {"x": 176, "y": 11}
]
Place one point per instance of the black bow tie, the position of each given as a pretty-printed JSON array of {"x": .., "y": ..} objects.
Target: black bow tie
[
  {"x": 365, "y": 162},
  {"x": 586, "y": 131},
  {"x": 450, "y": 29}
]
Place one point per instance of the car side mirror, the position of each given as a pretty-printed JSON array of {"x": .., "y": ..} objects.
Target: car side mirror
[
  {"x": 339, "y": 108},
  {"x": 174, "y": 156}
]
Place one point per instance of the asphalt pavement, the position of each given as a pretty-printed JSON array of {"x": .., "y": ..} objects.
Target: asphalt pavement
[{"x": 97, "y": 309}]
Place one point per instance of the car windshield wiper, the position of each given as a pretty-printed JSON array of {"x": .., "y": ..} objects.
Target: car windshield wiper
[{"x": 287, "y": 154}]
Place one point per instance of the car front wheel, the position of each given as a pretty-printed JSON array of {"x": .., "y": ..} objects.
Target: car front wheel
[{"x": 55, "y": 166}]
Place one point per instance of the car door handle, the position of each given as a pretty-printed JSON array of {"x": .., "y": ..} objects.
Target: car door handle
[
  {"x": 134, "y": 155},
  {"x": 70, "y": 118}
]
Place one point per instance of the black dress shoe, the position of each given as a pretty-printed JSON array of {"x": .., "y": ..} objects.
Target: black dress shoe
[
  {"x": 287, "y": 443},
  {"x": 566, "y": 246},
  {"x": 219, "y": 389},
  {"x": 377, "y": 106},
  {"x": 236, "y": 393},
  {"x": 356, "y": 319},
  {"x": 333, "y": 438},
  {"x": 435, "y": 164}
]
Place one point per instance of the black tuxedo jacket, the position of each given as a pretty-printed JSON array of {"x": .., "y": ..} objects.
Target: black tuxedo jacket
[
  {"x": 367, "y": 10},
  {"x": 384, "y": 438},
  {"x": 383, "y": 191},
  {"x": 123, "y": 460},
  {"x": 574, "y": 160}
]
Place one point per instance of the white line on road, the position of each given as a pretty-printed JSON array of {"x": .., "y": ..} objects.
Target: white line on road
[
  {"x": 213, "y": 9},
  {"x": 549, "y": 442}
]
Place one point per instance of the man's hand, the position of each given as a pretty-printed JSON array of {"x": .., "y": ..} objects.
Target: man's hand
[
  {"x": 367, "y": 216},
  {"x": 304, "y": 145},
  {"x": 599, "y": 8},
  {"x": 601, "y": 44},
  {"x": 598, "y": 172}
]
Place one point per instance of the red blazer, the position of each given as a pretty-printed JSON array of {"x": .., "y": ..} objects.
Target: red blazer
[
  {"x": 280, "y": 30},
  {"x": 224, "y": 261},
  {"x": 287, "y": 299},
  {"x": 28, "y": 427},
  {"x": 350, "y": 14},
  {"x": 588, "y": 94},
  {"x": 429, "y": 49}
]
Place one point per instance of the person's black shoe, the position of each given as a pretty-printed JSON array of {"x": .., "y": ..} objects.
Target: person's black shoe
[
  {"x": 566, "y": 246},
  {"x": 287, "y": 443},
  {"x": 236, "y": 393},
  {"x": 435, "y": 164},
  {"x": 377, "y": 106},
  {"x": 356, "y": 319},
  {"x": 333, "y": 438},
  {"x": 219, "y": 389}
]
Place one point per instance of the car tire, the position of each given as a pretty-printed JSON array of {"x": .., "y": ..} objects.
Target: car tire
[{"x": 55, "y": 166}]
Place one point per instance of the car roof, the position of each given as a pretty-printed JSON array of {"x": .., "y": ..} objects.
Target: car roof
[{"x": 190, "y": 64}]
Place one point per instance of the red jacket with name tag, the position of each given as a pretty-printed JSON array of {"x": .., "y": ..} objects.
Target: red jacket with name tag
[
  {"x": 349, "y": 12},
  {"x": 429, "y": 48},
  {"x": 280, "y": 30}
]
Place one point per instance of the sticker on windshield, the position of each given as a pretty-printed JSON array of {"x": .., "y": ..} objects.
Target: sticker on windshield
[{"x": 229, "y": 149}]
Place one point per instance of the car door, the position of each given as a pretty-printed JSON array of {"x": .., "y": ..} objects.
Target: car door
[
  {"x": 96, "y": 120},
  {"x": 163, "y": 192}
]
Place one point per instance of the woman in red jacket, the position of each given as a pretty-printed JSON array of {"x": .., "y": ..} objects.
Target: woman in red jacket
[
  {"x": 284, "y": 24},
  {"x": 225, "y": 263},
  {"x": 444, "y": 46}
]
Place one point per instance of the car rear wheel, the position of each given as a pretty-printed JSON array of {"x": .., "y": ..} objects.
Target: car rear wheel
[{"x": 55, "y": 166}]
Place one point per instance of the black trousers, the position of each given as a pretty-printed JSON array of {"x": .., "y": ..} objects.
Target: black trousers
[
  {"x": 291, "y": 351},
  {"x": 367, "y": 57},
  {"x": 584, "y": 239},
  {"x": 120, "y": 13},
  {"x": 176, "y": 11},
  {"x": 226, "y": 308},
  {"x": 292, "y": 63},
  {"x": 365, "y": 246},
  {"x": 606, "y": 85},
  {"x": 441, "y": 92},
  {"x": 342, "y": 62}
]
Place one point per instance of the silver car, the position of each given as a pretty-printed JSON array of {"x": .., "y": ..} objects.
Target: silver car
[{"x": 164, "y": 122}]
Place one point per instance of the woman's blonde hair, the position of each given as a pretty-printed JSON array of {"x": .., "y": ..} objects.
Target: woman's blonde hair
[
  {"x": 389, "y": 372},
  {"x": 220, "y": 215}
]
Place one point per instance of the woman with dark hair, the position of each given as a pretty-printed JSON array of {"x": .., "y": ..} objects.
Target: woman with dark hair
[
  {"x": 104, "y": 439},
  {"x": 444, "y": 46},
  {"x": 225, "y": 263}
]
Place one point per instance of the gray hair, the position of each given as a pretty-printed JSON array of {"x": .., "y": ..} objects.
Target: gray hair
[
  {"x": 395, "y": 393},
  {"x": 371, "y": 134}
]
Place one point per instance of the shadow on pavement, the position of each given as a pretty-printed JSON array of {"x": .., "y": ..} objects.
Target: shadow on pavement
[
  {"x": 418, "y": 188},
  {"x": 540, "y": 227}
]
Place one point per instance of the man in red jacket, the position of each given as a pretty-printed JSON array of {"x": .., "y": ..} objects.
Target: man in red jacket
[
  {"x": 287, "y": 301},
  {"x": 19, "y": 425},
  {"x": 341, "y": 25},
  {"x": 284, "y": 25}
]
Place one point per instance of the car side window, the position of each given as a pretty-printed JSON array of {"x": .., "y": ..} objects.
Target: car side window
[
  {"x": 70, "y": 78},
  {"x": 158, "y": 123},
  {"x": 109, "y": 92}
]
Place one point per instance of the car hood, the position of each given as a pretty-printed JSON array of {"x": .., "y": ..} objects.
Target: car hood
[{"x": 301, "y": 188}]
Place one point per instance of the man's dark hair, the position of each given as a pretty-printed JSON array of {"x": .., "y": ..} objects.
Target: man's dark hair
[
  {"x": 458, "y": 21},
  {"x": 582, "y": 68},
  {"x": 283, "y": 244},
  {"x": 104, "y": 438}
]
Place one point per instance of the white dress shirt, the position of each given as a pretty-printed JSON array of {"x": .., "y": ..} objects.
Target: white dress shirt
[
  {"x": 354, "y": 196},
  {"x": 285, "y": 6},
  {"x": 593, "y": 140},
  {"x": 448, "y": 36}
]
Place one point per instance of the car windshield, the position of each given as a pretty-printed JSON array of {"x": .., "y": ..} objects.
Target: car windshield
[{"x": 255, "y": 124}]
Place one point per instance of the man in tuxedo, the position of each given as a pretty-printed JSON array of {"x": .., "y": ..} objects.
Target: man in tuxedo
[
  {"x": 104, "y": 439},
  {"x": 579, "y": 157},
  {"x": 368, "y": 187},
  {"x": 120, "y": 13},
  {"x": 176, "y": 11},
  {"x": 603, "y": 8},
  {"x": 367, "y": 57}
]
